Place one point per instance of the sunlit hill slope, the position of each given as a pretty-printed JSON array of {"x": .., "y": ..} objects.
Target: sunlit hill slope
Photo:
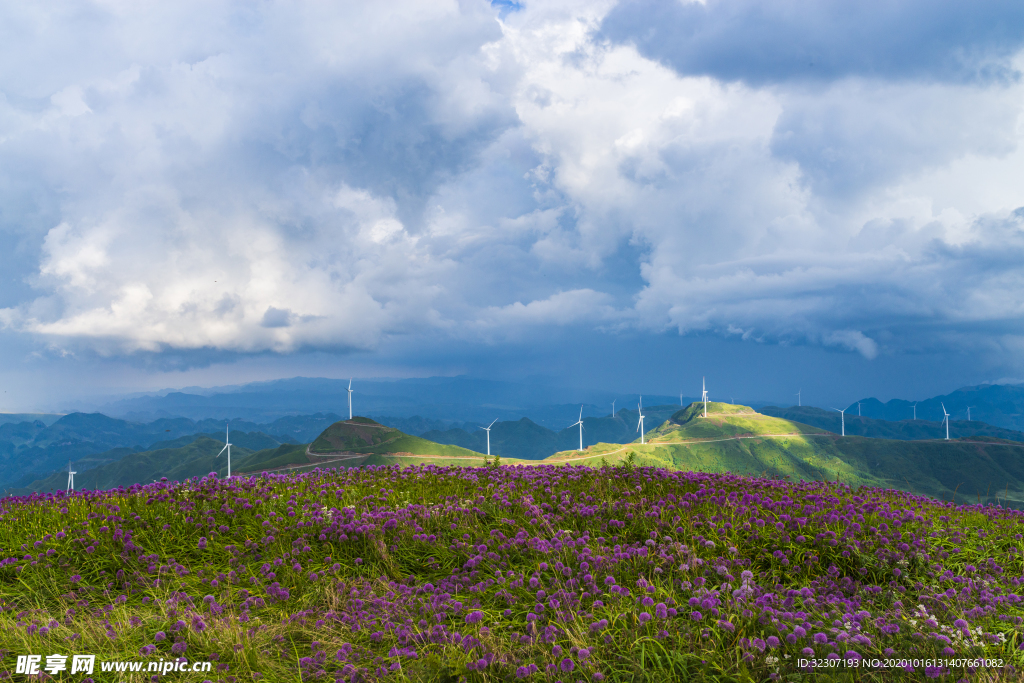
[{"x": 737, "y": 439}]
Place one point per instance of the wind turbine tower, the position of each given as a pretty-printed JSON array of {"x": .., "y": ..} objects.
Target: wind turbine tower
[
  {"x": 968, "y": 413},
  {"x": 350, "y": 398},
  {"x": 613, "y": 410},
  {"x": 842, "y": 419},
  {"x": 915, "y": 411},
  {"x": 704, "y": 395},
  {"x": 945, "y": 419},
  {"x": 580, "y": 423},
  {"x": 71, "y": 478},
  {"x": 488, "y": 430},
  {"x": 858, "y": 409},
  {"x": 227, "y": 446},
  {"x": 798, "y": 404},
  {"x": 640, "y": 425}
]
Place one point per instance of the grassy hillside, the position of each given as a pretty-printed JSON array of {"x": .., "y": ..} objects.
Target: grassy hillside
[
  {"x": 272, "y": 458},
  {"x": 501, "y": 574},
  {"x": 196, "y": 459},
  {"x": 736, "y": 439},
  {"x": 885, "y": 429},
  {"x": 361, "y": 435}
]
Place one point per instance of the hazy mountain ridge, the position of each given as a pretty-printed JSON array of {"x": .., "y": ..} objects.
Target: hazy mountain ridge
[
  {"x": 194, "y": 459},
  {"x": 527, "y": 440},
  {"x": 731, "y": 438},
  {"x": 30, "y": 450},
  {"x": 446, "y": 399},
  {"x": 903, "y": 430},
  {"x": 1001, "y": 405}
]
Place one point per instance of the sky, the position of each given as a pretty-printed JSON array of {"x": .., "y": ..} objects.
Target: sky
[{"x": 802, "y": 194}]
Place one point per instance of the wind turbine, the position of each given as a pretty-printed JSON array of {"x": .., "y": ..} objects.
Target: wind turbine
[
  {"x": 842, "y": 418},
  {"x": 580, "y": 423},
  {"x": 858, "y": 408},
  {"x": 640, "y": 425},
  {"x": 915, "y": 411},
  {"x": 227, "y": 446},
  {"x": 613, "y": 410},
  {"x": 71, "y": 478},
  {"x": 798, "y": 404},
  {"x": 945, "y": 419},
  {"x": 680, "y": 399},
  {"x": 704, "y": 395},
  {"x": 350, "y": 398},
  {"x": 968, "y": 413},
  {"x": 488, "y": 430}
]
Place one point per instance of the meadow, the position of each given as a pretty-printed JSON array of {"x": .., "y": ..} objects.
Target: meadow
[{"x": 510, "y": 573}]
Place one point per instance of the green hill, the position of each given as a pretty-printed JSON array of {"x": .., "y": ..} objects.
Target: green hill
[
  {"x": 736, "y": 439},
  {"x": 272, "y": 458},
  {"x": 363, "y": 436}
]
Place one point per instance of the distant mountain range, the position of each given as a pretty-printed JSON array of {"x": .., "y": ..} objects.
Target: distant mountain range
[
  {"x": 30, "y": 450},
  {"x": 904, "y": 430},
  {"x": 530, "y": 441},
  {"x": 1001, "y": 405},
  {"x": 732, "y": 438},
  {"x": 445, "y": 399}
]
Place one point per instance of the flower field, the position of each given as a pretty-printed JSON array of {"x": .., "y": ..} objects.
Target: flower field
[{"x": 515, "y": 573}]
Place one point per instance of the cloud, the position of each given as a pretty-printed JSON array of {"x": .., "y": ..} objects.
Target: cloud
[
  {"x": 211, "y": 179},
  {"x": 815, "y": 40}
]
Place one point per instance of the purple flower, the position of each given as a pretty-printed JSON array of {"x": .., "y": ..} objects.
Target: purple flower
[
  {"x": 644, "y": 617},
  {"x": 696, "y": 616},
  {"x": 567, "y": 665},
  {"x": 808, "y": 651},
  {"x": 960, "y": 623},
  {"x": 178, "y": 648},
  {"x": 160, "y": 636},
  {"x": 772, "y": 642},
  {"x": 820, "y": 638},
  {"x": 661, "y": 611},
  {"x": 474, "y": 617}
]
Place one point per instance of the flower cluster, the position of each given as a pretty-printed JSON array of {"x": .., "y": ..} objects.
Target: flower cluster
[{"x": 534, "y": 573}]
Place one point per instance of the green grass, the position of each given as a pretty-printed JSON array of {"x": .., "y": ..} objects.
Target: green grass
[
  {"x": 374, "y": 559},
  {"x": 736, "y": 439}
]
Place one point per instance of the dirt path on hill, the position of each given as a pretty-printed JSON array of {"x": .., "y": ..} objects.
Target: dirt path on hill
[{"x": 341, "y": 456}]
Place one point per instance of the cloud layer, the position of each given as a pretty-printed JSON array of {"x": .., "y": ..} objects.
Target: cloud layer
[{"x": 209, "y": 176}]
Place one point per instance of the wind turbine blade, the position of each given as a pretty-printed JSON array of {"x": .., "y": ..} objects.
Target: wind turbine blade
[
  {"x": 221, "y": 451},
  {"x": 350, "y": 383},
  {"x": 492, "y": 423}
]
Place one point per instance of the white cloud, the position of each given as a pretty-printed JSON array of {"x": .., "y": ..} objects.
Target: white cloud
[{"x": 251, "y": 179}]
